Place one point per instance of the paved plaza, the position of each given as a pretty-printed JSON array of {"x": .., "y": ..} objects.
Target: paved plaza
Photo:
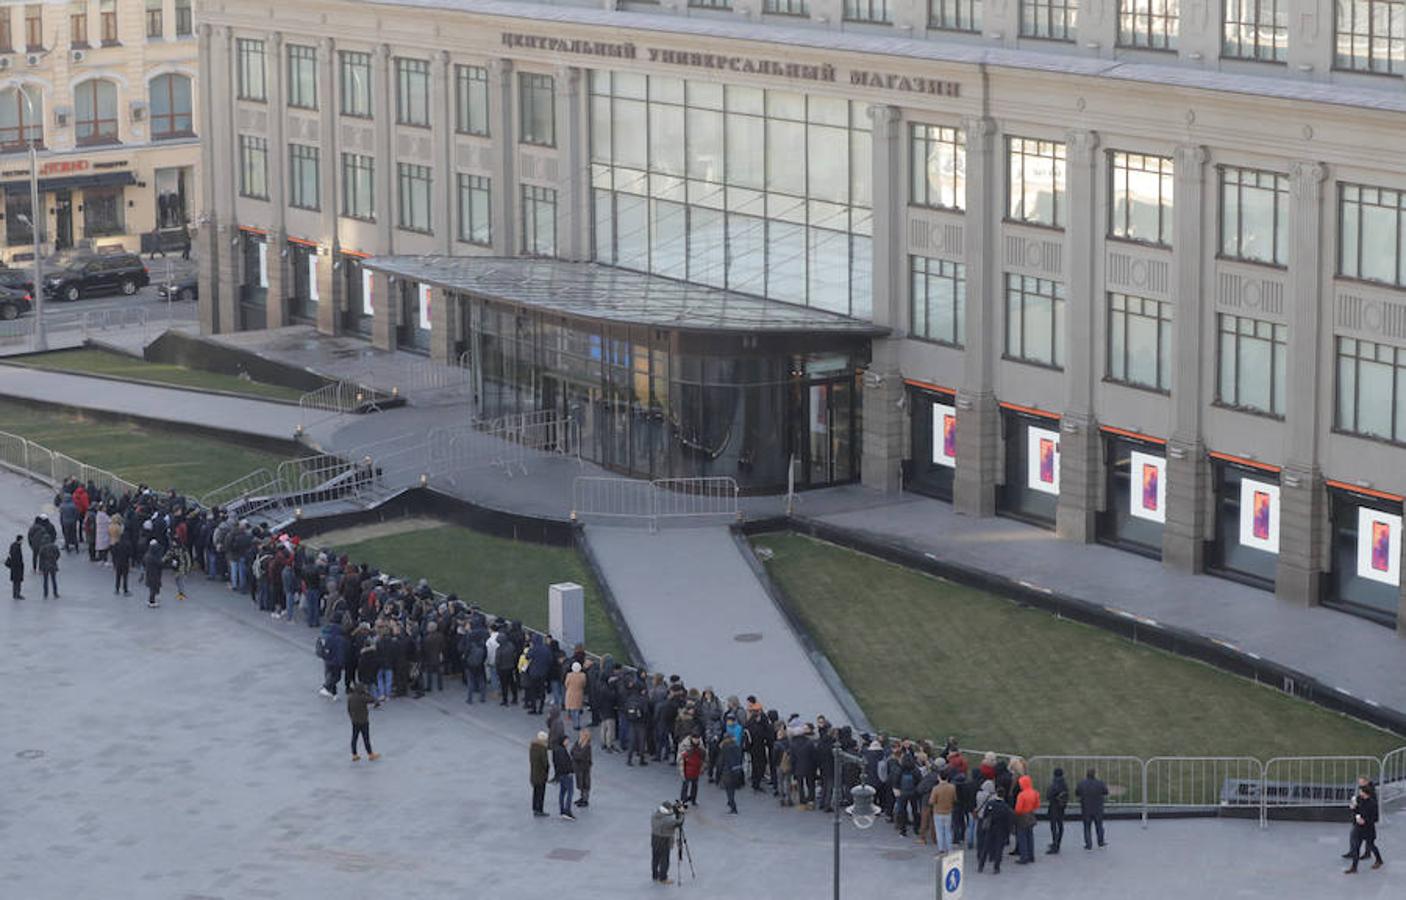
[{"x": 184, "y": 753}]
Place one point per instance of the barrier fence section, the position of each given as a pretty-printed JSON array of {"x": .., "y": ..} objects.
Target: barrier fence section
[
  {"x": 1122, "y": 774},
  {"x": 612, "y": 498},
  {"x": 35, "y": 459},
  {"x": 1393, "y": 777},
  {"x": 1313, "y": 781},
  {"x": 1201, "y": 783},
  {"x": 258, "y": 483},
  {"x": 653, "y": 501}
]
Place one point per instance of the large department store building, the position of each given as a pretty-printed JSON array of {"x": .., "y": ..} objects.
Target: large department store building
[{"x": 1133, "y": 275}]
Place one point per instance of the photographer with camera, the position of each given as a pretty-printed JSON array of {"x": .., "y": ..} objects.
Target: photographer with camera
[{"x": 663, "y": 824}]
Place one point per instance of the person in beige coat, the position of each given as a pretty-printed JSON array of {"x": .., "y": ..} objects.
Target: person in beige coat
[{"x": 575, "y": 688}]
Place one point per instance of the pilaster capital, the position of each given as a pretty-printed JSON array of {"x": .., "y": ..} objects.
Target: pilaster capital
[
  {"x": 500, "y": 68},
  {"x": 885, "y": 119},
  {"x": 1081, "y": 146},
  {"x": 325, "y": 46},
  {"x": 1189, "y": 159},
  {"x": 1305, "y": 177},
  {"x": 275, "y": 40},
  {"x": 382, "y": 53},
  {"x": 567, "y": 80},
  {"x": 979, "y": 132}
]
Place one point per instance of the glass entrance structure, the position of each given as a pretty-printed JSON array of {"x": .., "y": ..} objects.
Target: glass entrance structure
[{"x": 666, "y": 379}]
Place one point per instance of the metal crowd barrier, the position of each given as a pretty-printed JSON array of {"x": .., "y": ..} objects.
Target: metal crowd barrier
[
  {"x": 1393, "y": 777},
  {"x": 258, "y": 483},
  {"x": 1201, "y": 783},
  {"x": 1122, "y": 774},
  {"x": 653, "y": 501},
  {"x": 31, "y": 458},
  {"x": 340, "y": 398},
  {"x": 1313, "y": 781}
]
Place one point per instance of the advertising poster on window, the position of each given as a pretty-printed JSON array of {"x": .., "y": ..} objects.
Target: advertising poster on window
[
  {"x": 1259, "y": 515},
  {"x": 424, "y": 290},
  {"x": 1379, "y": 546},
  {"x": 312, "y": 278},
  {"x": 367, "y": 280},
  {"x": 1043, "y": 464},
  {"x": 1148, "y": 486},
  {"x": 944, "y": 435},
  {"x": 263, "y": 264}
]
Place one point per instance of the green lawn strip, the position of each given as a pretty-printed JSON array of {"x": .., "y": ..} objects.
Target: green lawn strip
[
  {"x": 927, "y": 658},
  {"x": 505, "y": 577},
  {"x": 96, "y": 361},
  {"x": 154, "y": 455}
]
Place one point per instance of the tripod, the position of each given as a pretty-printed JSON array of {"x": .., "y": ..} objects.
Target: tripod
[{"x": 684, "y": 853}]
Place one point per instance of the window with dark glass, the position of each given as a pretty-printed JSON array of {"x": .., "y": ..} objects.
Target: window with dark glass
[
  {"x": 155, "y": 26},
  {"x": 95, "y": 112},
  {"x": 1140, "y": 342},
  {"x": 939, "y": 167},
  {"x": 249, "y": 66},
  {"x": 1035, "y": 181},
  {"x": 21, "y": 117},
  {"x": 1371, "y": 36},
  {"x": 868, "y": 11},
  {"x": 1371, "y": 389},
  {"x": 939, "y": 300},
  {"x": 253, "y": 167},
  {"x": 34, "y": 27},
  {"x": 107, "y": 21},
  {"x": 103, "y": 211},
  {"x": 7, "y": 37},
  {"x": 1140, "y": 197},
  {"x": 786, "y": 7},
  {"x": 171, "y": 115},
  {"x": 537, "y": 107},
  {"x": 1151, "y": 24},
  {"x": 358, "y": 186},
  {"x": 303, "y": 181},
  {"x": 185, "y": 25},
  {"x": 1256, "y": 30},
  {"x": 302, "y": 76},
  {"x": 78, "y": 23},
  {"x": 471, "y": 100},
  {"x": 475, "y": 210},
  {"x": 1372, "y": 236},
  {"x": 955, "y": 15},
  {"x": 539, "y": 221},
  {"x": 414, "y": 195},
  {"x": 1252, "y": 372},
  {"x": 355, "y": 77},
  {"x": 710, "y": 4},
  {"x": 1035, "y": 320},
  {"x": 1254, "y": 215},
  {"x": 18, "y": 224},
  {"x": 1055, "y": 20},
  {"x": 412, "y": 92}
]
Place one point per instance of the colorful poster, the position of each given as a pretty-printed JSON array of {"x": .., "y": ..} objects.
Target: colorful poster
[
  {"x": 944, "y": 435},
  {"x": 1148, "y": 487},
  {"x": 1042, "y": 467},
  {"x": 1379, "y": 546},
  {"x": 263, "y": 264},
  {"x": 367, "y": 281},
  {"x": 1259, "y": 515},
  {"x": 424, "y": 292},
  {"x": 312, "y": 278}
]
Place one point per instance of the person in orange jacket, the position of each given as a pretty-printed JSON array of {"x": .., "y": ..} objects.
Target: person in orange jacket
[{"x": 1027, "y": 803}]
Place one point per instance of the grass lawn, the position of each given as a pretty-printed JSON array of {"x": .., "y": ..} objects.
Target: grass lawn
[
  {"x": 158, "y": 456},
  {"x": 95, "y": 361},
  {"x": 507, "y": 578},
  {"x": 927, "y": 658}
]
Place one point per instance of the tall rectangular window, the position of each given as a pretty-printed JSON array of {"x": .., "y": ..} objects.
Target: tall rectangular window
[
  {"x": 249, "y": 65},
  {"x": 868, "y": 11},
  {"x": 1140, "y": 197},
  {"x": 7, "y": 36},
  {"x": 1148, "y": 23},
  {"x": 302, "y": 76},
  {"x": 955, "y": 15},
  {"x": 1256, "y": 30},
  {"x": 710, "y": 4},
  {"x": 939, "y": 300},
  {"x": 95, "y": 112},
  {"x": 475, "y": 210},
  {"x": 939, "y": 167},
  {"x": 786, "y": 7},
  {"x": 1055, "y": 20},
  {"x": 34, "y": 27},
  {"x": 155, "y": 26},
  {"x": 537, "y": 108},
  {"x": 1371, "y": 389},
  {"x": 1371, "y": 36},
  {"x": 1254, "y": 219},
  {"x": 78, "y": 23},
  {"x": 1035, "y": 320},
  {"x": 185, "y": 24},
  {"x": 303, "y": 181},
  {"x": 1140, "y": 342},
  {"x": 102, "y": 211},
  {"x": 414, "y": 194},
  {"x": 107, "y": 21},
  {"x": 354, "y": 73},
  {"x": 412, "y": 92},
  {"x": 358, "y": 186},
  {"x": 253, "y": 167},
  {"x": 1035, "y": 181},
  {"x": 1252, "y": 364},
  {"x": 1372, "y": 235},
  {"x": 471, "y": 100},
  {"x": 539, "y": 221}
]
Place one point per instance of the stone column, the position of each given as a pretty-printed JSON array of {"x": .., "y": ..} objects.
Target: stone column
[
  {"x": 883, "y": 448},
  {"x": 573, "y": 151},
  {"x": 383, "y": 85},
  {"x": 1303, "y": 506},
  {"x": 500, "y": 107},
  {"x": 277, "y": 310},
  {"x": 386, "y": 301},
  {"x": 330, "y": 289},
  {"x": 215, "y": 218},
  {"x": 1188, "y": 470},
  {"x": 978, "y": 416},
  {"x": 443, "y": 319},
  {"x": 442, "y": 125},
  {"x": 1080, "y": 463}
]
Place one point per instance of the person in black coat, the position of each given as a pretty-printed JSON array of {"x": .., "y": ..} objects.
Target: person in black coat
[
  {"x": 15, "y": 563},
  {"x": 803, "y": 766},
  {"x": 998, "y": 822},
  {"x": 759, "y": 738},
  {"x": 564, "y": 774},
  {"x": 1057, "y": 798},
  {"x": 1364, "y": 834},
  {"x": 1091, "y": 792},
  {"x": 151, "y": 569},
  {"x": 121, "y": 555}
]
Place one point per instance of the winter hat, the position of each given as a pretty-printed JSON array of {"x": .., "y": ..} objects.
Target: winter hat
[
  {"x": 575, "y": 667},
  {"x": 875, "y": 745},
  {"x": 1059, "y": 773}
]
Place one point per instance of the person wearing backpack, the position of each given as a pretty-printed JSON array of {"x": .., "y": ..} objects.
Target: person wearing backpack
[
  {"x": 1058, "y": 798},
  {"x": 636, "y": 715},
  {"x": 475, "y": 658},
  {"x": 432, "y": 658},
  {"x": 506, "y": 662},
  {"x": 332, "y": 647}
]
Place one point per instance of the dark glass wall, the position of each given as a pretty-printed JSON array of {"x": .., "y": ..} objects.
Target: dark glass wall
[
  {"x": 356, "y": 319},
  {"x": 301, "y": 306},
  {"x": 411, "y": 334},
  {"x": 1231, "y": 552},
  {"x": 932, "y": 446},
  {"x": 1136, "y": 500},
  {"x": 253, "y": 287},
  {"x": 1361, "y": 573},
  {"x": 1026, "y": 466}
]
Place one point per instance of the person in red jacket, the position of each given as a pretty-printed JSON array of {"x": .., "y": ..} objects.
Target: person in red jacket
[
  {"x": 690, "y": 767},
  {"x": 1027, "y": 803}
]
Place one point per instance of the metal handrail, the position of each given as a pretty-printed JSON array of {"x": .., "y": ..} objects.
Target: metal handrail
[{"x": 259, "y": 482}]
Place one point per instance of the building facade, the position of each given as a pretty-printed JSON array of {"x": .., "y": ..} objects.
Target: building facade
[
  {"x": 105, "y": 90},
  {"x": 1135, "y": 273}
]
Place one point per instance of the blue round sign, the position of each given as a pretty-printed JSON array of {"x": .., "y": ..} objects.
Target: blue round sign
[{"x": 954, "y": 880}]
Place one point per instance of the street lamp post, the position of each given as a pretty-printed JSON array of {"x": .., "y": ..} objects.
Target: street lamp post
[
  {"x": 862, "y": 810},
  {"x": 41, "y": 340}
]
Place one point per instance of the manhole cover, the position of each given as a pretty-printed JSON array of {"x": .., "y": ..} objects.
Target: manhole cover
[
  {"x": 29, "y": 754},
  {"x": 567, "y": 854},
  {"x": 898, "y": 854},
  {"x": 747, "y": 637}
]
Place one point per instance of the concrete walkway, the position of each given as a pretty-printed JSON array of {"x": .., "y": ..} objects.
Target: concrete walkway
[{"x": 697, "y": 610}]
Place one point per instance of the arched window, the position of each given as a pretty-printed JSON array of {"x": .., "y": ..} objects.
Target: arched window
[
  {"x": 170, "y": 107},
  {"x": 21, "y": 117},
  {"x": 95, "y": 103}
]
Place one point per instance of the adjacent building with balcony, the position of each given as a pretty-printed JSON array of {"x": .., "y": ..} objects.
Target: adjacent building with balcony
[
  {"x": 104, "y": 90},
  {"x": 1132, "y": 272}
]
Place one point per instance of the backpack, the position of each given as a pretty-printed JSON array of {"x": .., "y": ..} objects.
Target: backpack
[
  {"x": 634, "y": 708},
  {"x": 907, "y": 781},
  {"x": 477, "y": 653},
  {"x": 324, "y": 649}
]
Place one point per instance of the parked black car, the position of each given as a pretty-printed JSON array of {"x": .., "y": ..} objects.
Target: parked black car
[
  {"x": 17, "y": 279},
  {"x": 92, "y": 276},
  {"x": 187, "y": 288},
  {"x": 14, "y": 303}
]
